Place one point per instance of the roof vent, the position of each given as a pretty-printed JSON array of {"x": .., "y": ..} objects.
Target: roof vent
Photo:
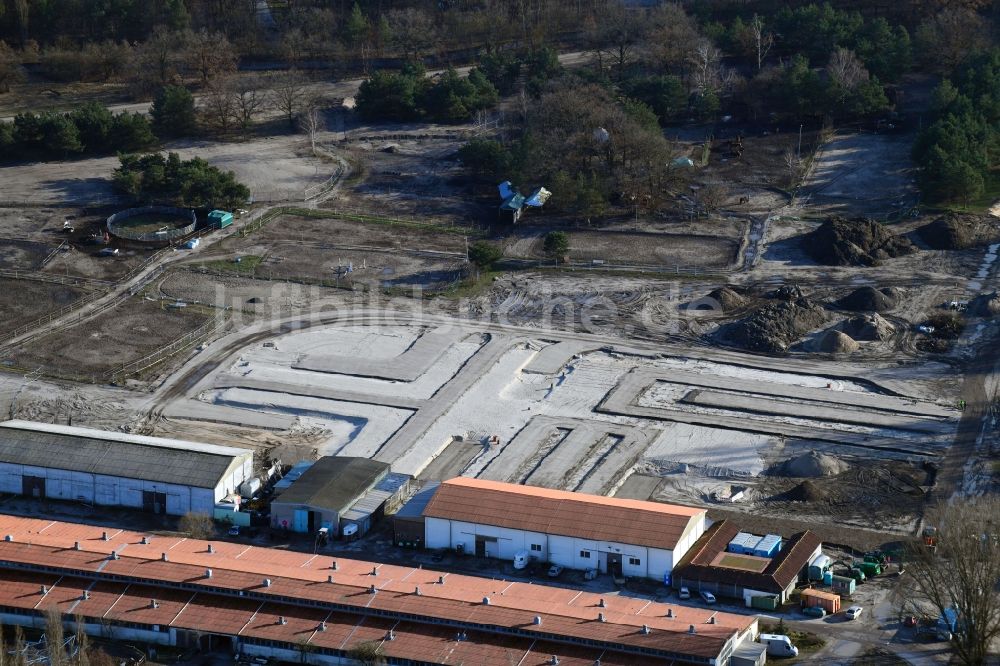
[
  {"x": 211, "y": 549},
  {"x": 163, "y": 556},
  {"x": 329, "y": 578},
  {"x": 486, "y": 601},
  {"x": 391, "y": 636},
  {"x": 600, "y": 617},
  {"x": 76, "y": 545},
  {"x": 321, "y": 627},
  {"x": 44, "y": 590},
  {"x": 86, "y": 594},
  {"x": 153, "y": 603},
  {"x": 334, "y": 565},
  {"x": 374, "y": 571},
  {"x": 372, "y": 589},
  {"x": 537, "y": 620},
  {"x": 144, "y": 541},
  {"x": 282, "y": 620},
  {"x": 645, "y": 629},
  {"x": 692, "y": 629},
  {"x": 104, "y": 536},
  {"x": 9, "y": 537},
  {"x": 554, "y": 659},
  {"x": 670, "y": 612},
  {"x": 602, "y": 603},
  {"x": 113, "y": 555},
  {"x": 208, "y": 573},
  {"x": 416, "y": 590},
  {"x": 597, "y": 662},
  {"x": 711, "y": 620},
  {"x": 267, "y": 582},
  {"x": 460, "y": 636},
  {"x": 440, "y": 580}
]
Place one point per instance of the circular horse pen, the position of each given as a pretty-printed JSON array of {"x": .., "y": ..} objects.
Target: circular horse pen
[{"x": 152, "y": 224}]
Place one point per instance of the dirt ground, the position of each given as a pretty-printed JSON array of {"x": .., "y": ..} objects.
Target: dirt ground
[
  {"x": 23, "y": 255},
  {"x": 23, "y": 301},
  {"x": 118, "y": 336}
]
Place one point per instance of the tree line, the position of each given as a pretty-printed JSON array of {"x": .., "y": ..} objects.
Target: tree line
[{"x": 155, "y": 177}]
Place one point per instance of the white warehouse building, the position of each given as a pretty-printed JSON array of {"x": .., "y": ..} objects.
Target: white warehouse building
[
  {"x": 617, "y": 536},
  {"x": 166, "y": 476}
]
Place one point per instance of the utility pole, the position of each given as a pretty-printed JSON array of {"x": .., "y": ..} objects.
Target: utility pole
[{"x": 800, "y": 142}]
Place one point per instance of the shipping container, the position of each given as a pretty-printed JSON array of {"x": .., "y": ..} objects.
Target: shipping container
[
  {"x": 220, "y": 219},
  {"x": 768, "y": 602},
  {"x": 768, "y": 546},
  {"x": 843, "y": 585},
  {"x": 828, "y": 602},
  {"x": 743, "y": 543}
]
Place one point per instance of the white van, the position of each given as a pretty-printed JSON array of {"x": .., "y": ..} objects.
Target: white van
[
  {"x": 521, "y": 559},
  {"x": 779, "y": 645}
]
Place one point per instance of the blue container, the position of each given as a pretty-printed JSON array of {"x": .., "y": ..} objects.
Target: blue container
[{"x": 768, "y": 546}]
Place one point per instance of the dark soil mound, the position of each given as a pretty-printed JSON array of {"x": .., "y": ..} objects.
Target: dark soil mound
[
  {"x": 985, "y": 305},
  {"x": 869, "y": 327},
  {"x": 788, "y": 292},
  {"x": 728, "y": 299},
  {"x": 835, "y": 342},
  {"x": 954, "y": 232},
  {"x": 867, "y": 299},
  {"x": 775, "y": 326},
  {"x": 854, "y": 242},
  {"x": 807, "y": 491}
]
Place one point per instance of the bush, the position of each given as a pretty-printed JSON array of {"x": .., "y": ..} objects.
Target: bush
[
  {"x": 409, "y": 95},
  {"x": 947, "y": 325},
  {"x": 173, "y": 112},
  {"x": 196, "y": 525},
  {"x": 486, "y": 158},
  {"x": 484, "y": 254},
  {"x": 192, "y": 183},
  {"x": 556, "y": 244}
]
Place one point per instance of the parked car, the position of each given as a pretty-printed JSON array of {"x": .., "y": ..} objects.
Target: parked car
[
  {"x": 814, "y": 611},
  {"x": 684, "y": 593},
  {"x": 933, "y": 634},
  {"x": 853, "y": 613},
  {"x": 555, "y": 570},
  {"x": 234, "y": 531},
  {"x": 708, "y": 597}
]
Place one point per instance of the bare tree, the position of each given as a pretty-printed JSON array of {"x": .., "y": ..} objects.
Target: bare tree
[
  {"x": 291, "y": 95},
  {"x": 210, "y": 55},
  {"x": 311, "y": 123},
  {"x": 793, "y": 163},
  {"x": 196, "y": 525},
  {"x": 762, "y": 39},
  {"x": 958, "y": 568},
  {"x": 217, "y": 106},
  {"x": 707, "y": 72},
  {"x": 413, "y": 31},
  {"x": 846, "y": 69},
  {"x": 249, "y": 100},
  {"x": 673, "y": 36},
  {"x": 54, "y": 637}
]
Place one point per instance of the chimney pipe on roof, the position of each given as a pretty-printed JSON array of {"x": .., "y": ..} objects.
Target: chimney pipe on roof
[
  {"x": 372, "y": 589},
  {"x": 9, "y": 537},
  {"x": 282, "y": 620},
  {"x": 334, "y": 565},
  {"x": 645, "y": 629},
  {"x": 321, "y": 627},
  {"x": 145, "y": 540},
  {"x": 211, "y": 549},
  {"x": 113, "y": 555},
  {"x": 670, "y": 612},
  {"x": 104, "y": 536},
  {"x": 416, "y": 590},
  {"x": 486, "y": 601},
  {"x": 391, "y": 636},
  {"x": 537, "y": 620},
  {"x": 554, "y": 660},
  {"x": 44, "y": 590},
  {"x": 711, "y": 620},
  {"x": 440, "y": 580},
  {"x": 267, "y": 582},
  {"x": 164, "y": 557},
  {"x": 692, "y": 630},
  {"x": 600, "y": 617},
  {"x": 375, "y": 571},
  {"x": 86, "y": 594},
  {"x": 602, "y": 603},
  {"x": 76, "y": 545},
  {"x": 208, "y": 573},
  {"x": 153, "y": 603},
  {"x": 329, "y": 578}
]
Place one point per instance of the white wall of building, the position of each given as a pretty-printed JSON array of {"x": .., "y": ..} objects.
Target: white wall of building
[{"x": 570, "y": 552}]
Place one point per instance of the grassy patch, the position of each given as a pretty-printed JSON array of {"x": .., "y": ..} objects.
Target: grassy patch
[
  {"x": 805, "y": 641},
  {"x": 247, "y": 265},
  {"x": 982, "y": 203},
  {"x": 378, "y": 219},
  {"x": 472, "y": 285}
]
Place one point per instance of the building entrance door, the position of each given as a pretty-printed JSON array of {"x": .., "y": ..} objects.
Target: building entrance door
[
  {"x": 615, "y": 565},
  {"x": 33, "y": 486},
  {"x": 154, "y": 502},
  {"x": 486, "y": 546}
]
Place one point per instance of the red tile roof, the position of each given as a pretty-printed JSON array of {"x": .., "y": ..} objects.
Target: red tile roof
[
  {"x": 560, "y": 512},
  {"x": 235, "y": 600}
]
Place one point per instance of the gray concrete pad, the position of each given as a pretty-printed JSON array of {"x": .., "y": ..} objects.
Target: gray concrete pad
[
  {"x": 864, "y": 400},
  {"x": 621, "y": 401},
  {"x": 195, "y": 410},
  {"x": 639, "y": 486},
  {"x": 406, "y": 367},
  {"x": 818, "y": 412},
  {"x": 452, "y": 461},
  {"x": 236, "y": 381},
  {"x": 553, "y": 358}
]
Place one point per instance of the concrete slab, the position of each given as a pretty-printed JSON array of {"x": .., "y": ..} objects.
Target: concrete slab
[
  {"x": 195, "y": 410},
  {"x": 406, "y": 367},
  {"x": 819, "y": 412},
  {"x": 639, "y": 486},
  {"x": 553, "y": 358},
  {"x": 452, "y": 461},
  {"x": 237, "y": 381}
]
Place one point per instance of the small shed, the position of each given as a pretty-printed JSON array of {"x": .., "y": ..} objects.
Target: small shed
[
  {"x": 385, "y": 496},
  {"x": 220, "y": 219},
  {"x": 408, "y": 522},
  {"x": 829, "y": 602}
]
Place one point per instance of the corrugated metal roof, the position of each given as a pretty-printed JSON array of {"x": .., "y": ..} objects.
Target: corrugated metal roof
[
  {"x": 560, "y": 512},
  {"x": 117, "y": 454},
  {"x": 414, "y": 508},
  {"x": 292, "y": 476},
  {"x": 334, "y": 482}
]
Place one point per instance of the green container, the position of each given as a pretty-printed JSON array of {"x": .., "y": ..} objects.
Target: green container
[
  {"x": 871, "y": 569},
  {"x": 764, "y": 603},
  {"x": 857, "y": 574}
]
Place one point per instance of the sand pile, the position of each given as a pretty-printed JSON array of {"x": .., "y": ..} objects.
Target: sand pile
[
  {"x": 985, "y": 305},
  {"x": 728, "y": 299},
  {"x": 813, "y": 465},
  {"x": 835, "y": 342},
  {"x": 869, "y": 327},
  {"x": 775, "y": 326},
  {"x": 868, "y": 299},
  {"x": 807, "y": 491},
  {"x": 955, "y": 231},
  {"x": 854, "y": 242}
]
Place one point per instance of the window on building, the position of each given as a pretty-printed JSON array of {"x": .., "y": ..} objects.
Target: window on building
[
  {"x": 585, "y": 554},
  {"x": 536, "y": 547},
  {"x": 634, "y": 561}
]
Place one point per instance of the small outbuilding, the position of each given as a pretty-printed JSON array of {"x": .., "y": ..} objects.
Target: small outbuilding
[{"x": 220, "y": 219}]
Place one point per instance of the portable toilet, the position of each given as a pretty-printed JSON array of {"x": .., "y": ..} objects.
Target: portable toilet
[{"x": 220, "y": 219}]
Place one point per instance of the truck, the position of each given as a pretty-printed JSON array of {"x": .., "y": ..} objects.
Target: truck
[{"x": 779, "y": 645}]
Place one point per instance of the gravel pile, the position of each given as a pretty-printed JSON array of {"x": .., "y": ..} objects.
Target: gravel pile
[
  {"x": 869, "y": 299},
  {"x": 835, "y": 342},
  {"x": 813, "y": 465},
  {"x": 870, "y": 327},
  {"x": 955, "y": 231},
  {"x": 854, "y": 242},
  {"x": 775, "y": 326},
  {"x": 728, "y": 299}
]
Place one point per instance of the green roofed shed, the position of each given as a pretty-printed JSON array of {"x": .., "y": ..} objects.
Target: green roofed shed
[{"x": 220, "y": 219}]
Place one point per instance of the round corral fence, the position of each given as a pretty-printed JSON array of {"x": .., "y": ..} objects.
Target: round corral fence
[{"x": 152, "y": 224}]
